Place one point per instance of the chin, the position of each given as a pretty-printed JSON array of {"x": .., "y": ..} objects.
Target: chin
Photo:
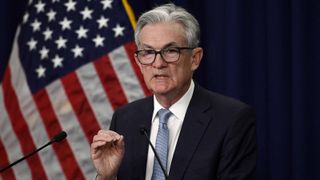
[
  {"x": 160, "y": 87},
  {"x": 160, "y": 90}
]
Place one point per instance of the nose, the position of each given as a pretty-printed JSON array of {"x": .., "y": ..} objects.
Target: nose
[{"x": 159, "y": 62}]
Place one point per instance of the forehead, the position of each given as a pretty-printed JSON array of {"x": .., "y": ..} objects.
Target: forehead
[{"x": 161, "y": 34}]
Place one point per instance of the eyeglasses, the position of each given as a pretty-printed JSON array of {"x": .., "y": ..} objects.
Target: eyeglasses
[{"x": 169, "y": 54}]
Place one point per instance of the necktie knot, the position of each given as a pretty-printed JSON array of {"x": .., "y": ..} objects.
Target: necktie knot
[{"x": 164, "y": 115}]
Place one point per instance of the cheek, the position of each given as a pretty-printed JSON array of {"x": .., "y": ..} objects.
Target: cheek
[
  {"x": 179, "y": 75},
  {"x": 146, "y": 77},
  {"x": 146, "y": 73},
  {"x": 184, "y": 71}
]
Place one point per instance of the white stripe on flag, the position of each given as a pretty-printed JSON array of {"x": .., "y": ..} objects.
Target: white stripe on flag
[
  {"x": 126, "y": 75},
  {"x": 69, "y": 122},
  {"x": 31, "y": 115},
  {"x": 95, "y": 94},
  {"x": 11, "y": 143}
]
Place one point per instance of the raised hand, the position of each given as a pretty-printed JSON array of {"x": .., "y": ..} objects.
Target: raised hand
[{"x": 107, "y": 150}]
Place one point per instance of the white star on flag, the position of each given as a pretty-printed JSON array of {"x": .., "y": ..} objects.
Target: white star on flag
[
  {"x": 51, "y": 15},
  {"x": 86, "y": 13},
  {"x": 57, "y": 61},
  {"x": 40, "y": 6},
  {"x": 77, "y": 51},
  {"x": 41, "y": 71},
  {"x": 98, "y": 40},
  {"x": 25, "y": 18},
  {"x": 82, "y": 32},
  {"x": 47, "y": 34},
  {"x": 65, "y": 24},
  {"x": 32, "y": 44},
  {"x": 71, "y": 5},
  {"x": 106, "y": 4},
  {"x": 36, "y": 25},
  {"x": 118, "y": 30},
  {"x": 102, "y": 22},
  {"x": 44, "y": 52},
  {"x": 61, "y": 42}
]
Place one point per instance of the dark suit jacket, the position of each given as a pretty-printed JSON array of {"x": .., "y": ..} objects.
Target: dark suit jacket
[{"x": 217, "y": 139}]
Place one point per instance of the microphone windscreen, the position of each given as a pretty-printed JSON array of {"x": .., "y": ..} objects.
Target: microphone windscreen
[{"x": 59, "y": 137}]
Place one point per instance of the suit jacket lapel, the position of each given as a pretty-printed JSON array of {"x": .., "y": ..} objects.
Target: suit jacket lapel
[
  {"x": 194, "y": 125},
  {"x": 140, "y": 150}
]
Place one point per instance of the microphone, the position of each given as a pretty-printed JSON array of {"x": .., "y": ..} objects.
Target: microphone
[
  {"x": 57, "y": 138},
  {"x": 143, "y": 131}
]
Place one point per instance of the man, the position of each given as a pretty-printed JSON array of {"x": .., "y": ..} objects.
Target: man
[{"x": 203, "y": 135}]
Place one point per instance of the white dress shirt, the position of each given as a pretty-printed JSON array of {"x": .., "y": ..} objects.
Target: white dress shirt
[{"x": 175, "y": 122}]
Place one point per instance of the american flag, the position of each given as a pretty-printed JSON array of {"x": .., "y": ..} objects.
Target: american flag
[{"x": 70, "y": 67}]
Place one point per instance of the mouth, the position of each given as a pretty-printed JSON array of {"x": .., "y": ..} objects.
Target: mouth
[{"x": 160, "y": 76}]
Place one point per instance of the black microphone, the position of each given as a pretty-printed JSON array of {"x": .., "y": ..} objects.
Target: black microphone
[
  {"x": 57, "y": 138},
  {"x": 143, "y": 131}
]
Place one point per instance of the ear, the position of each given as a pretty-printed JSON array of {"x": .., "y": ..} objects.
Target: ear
[{"x": 196, "y": 58}]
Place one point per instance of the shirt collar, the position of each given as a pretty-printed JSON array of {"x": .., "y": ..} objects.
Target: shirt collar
[{"x": 179, "y": 108}]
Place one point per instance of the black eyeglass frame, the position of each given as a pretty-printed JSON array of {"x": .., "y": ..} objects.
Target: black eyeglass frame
[{"x": 160, "y": 52}]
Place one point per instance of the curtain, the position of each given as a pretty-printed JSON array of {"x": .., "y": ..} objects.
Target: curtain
[{"x": 266, "y": 53}]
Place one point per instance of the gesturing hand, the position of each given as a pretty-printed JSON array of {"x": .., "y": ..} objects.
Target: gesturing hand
[{"x": 107, "y": 150}]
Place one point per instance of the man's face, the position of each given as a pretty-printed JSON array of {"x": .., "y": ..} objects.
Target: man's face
[{"x": 168, "y": 79}]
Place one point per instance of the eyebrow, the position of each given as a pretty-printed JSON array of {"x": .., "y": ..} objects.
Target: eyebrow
[{"x": 165, "y": 46}]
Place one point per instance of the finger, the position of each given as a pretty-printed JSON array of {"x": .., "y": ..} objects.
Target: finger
[
  {"x": 98, "y": 144},
  {"x": 105, "y": 138},
  {"x": 94, "y": 148},
  {"x": 106, "y": 133},
  {"x": 120, "y": 142},
  {"x": 108, "y": 136}
]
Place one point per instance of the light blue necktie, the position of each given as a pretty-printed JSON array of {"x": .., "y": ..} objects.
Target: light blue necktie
[{"x": 161, "y": 145}]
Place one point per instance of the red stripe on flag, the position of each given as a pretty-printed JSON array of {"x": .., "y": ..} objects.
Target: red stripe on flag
[
  {"x": 64, "y": 153},
  {"x": 130, "y": 49},
  {"x": 110, "y": 82},
  {"x": 80, "y": 105},
  {"x": 21, "y": 128},
  {"x": 4, "y": 161}
]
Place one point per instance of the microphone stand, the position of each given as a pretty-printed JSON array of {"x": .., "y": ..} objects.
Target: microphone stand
[{"x": 56, "y": 138}]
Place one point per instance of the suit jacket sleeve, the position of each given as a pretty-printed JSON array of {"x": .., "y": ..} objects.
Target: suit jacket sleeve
[{"x": 238, "y": 155}]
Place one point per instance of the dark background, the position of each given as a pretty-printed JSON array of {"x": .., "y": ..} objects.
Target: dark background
[{"x": 263, "y": 52}]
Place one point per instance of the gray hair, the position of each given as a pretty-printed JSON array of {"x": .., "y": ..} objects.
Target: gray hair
[{"x": 170, "y": 13}]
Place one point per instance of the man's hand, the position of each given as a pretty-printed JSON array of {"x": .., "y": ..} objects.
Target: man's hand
[{"x": 107, "y": 150}]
